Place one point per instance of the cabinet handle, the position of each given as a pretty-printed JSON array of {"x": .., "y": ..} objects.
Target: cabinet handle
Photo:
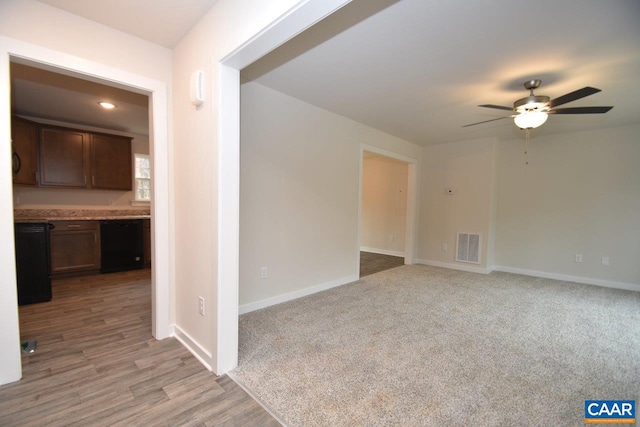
[
  {"x": 93, "y": 180},
  {"x": 85, "y": 180},
  {"x": 73, "y": 226},
  {"x": 16, "y": 163}
]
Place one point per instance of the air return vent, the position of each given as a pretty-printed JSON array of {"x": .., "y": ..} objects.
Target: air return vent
[{"x": 468, "y": 248}]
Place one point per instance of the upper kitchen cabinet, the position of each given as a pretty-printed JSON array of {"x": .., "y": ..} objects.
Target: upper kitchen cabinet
[
  {"x": 72, "y": 158},
  {"x": 24, "y": 137},
  {"x": 64, "y": 159},
  {"x": 110, "y": 162}
]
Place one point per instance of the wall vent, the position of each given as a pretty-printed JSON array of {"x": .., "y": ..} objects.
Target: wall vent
[{"x": 468, "y": 248}]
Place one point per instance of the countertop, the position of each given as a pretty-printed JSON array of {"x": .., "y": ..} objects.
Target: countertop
[{"x": 45, "y": 215}]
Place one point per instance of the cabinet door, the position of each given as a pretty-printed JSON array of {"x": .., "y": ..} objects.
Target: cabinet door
[
  {"x": 63, "y": 158},
  {"x": 24, "y": 136},
  {"x": 146, "y": 230},
  {"x": 75, "y": 246},
  {"x": 110, "y": 162}
]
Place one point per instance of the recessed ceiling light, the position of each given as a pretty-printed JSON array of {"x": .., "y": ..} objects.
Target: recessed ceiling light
[{"x": 107, "y": 105}]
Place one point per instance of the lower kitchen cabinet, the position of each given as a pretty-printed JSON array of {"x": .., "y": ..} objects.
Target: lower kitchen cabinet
[
  {"x": 75, "y": 247},
  {"x": 146, "y": 230}
]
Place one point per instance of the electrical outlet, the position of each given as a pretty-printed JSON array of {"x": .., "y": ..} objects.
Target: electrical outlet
[
  {"x": 605, "y": 260},
  {"x": 264, "y": 272},
  {"x": 392, "y": 238},
  {"x": 445, "y": 247},
  {"x": 201, "y": 306},
  {"x": 578, "y": 258}
]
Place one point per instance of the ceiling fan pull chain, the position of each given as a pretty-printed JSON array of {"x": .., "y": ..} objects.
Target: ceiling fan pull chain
[{"x": 526, "y": 145}]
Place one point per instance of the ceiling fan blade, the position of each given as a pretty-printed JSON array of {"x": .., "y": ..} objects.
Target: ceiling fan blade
[
  {"x": 581, "y": 110},
  {"x": 486, "y": 121},
  {"x": 499, "y": 107},
  {"x": 573, "y": 96}
]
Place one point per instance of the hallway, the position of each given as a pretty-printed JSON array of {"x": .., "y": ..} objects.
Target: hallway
[{"x": 371, "y": 263}]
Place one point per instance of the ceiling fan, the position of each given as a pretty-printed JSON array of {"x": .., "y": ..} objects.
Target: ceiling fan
[{"x": 532, "y": 111}]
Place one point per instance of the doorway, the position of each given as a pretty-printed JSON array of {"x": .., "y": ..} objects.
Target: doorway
[
  {"x": 17, "y": 51},
  {"x": 386, "y": 210},
  {"x": 54, "y": 110}
]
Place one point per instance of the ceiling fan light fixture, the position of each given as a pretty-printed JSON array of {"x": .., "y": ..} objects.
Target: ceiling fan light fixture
[
  {"x": 532, "y": 102},
  {"x": 532, "y": 112},
  {"x": 531, "y": 107},
  {"x": 530, "y": 119}
]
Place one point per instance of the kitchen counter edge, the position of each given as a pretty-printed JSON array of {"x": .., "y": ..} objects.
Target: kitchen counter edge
[{"x": 76, "y": 218}]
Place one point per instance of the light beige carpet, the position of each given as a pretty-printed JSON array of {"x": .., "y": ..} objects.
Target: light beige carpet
[{"x": 425, "y": 346}]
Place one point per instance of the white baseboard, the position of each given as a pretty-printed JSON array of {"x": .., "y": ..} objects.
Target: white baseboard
[
  {"x": 381, "y": 251},
  {"x": 567, "y": 278},
  {"x": 534, "y": 273},
  {"x": 247, "y": 308},
  {"x": 198, "y": 351},
  {"x": 462, "y": 267}
]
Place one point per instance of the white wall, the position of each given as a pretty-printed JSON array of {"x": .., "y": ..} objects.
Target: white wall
[
  {"x": 42, "y": 26},
  {"x": 580, "y": 194},
  {"x": 384, "y": 205},
  {"x": 466, "y": 167},
  {"x": 28, "y": 197},
  {"x": 224, "y": 28},
  {"x": 299, "y": 195}
]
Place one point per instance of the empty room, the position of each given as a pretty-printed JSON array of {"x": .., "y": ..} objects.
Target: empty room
[
  {"x": 482, "y": 157},
  {"x": 497, "y": 321}
]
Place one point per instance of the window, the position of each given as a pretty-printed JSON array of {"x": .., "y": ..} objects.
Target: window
[{"x": 143, "y": 177}]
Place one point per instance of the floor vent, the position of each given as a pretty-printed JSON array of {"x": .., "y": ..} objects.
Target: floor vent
[{"x": 468, "y": 248}]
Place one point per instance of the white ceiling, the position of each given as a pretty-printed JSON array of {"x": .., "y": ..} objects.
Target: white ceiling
[
  {"x": 418, "y": 69},
  {"x": 162, "y": 22},
  {"x": 47, "y": 95}
]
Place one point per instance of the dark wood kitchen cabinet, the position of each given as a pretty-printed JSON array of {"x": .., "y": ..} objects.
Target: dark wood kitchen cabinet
[
  {"x": 72, "y": 158},
  {"x": 64, "y": 159},
  {"x": 75, "y": 247},
  {"x": 110, "y": 162},
  {"x": 24, "y": 159}
]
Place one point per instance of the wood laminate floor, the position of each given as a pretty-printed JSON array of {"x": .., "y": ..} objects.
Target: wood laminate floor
[
  {"x": 97, "y": 364},
  {"x": 374, "y": 263}
]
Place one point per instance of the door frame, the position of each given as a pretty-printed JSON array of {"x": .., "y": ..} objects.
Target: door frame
[
  {"x": 300, "y": 17},
  {"x": 11, "y": 49},
  {"x": 412, "y": 204}
]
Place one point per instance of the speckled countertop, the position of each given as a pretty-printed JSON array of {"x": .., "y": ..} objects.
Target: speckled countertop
[{"x": 40, "y": 215}]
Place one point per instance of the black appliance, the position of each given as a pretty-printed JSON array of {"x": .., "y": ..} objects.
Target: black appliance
[
  {"x": 121, "y": 245},
  {"x": 33, "y": 265}
]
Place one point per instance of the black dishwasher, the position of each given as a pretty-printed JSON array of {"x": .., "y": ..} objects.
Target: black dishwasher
[
  {"x": 33, "y": 268},
  {"x": 121, "y": 245}
]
